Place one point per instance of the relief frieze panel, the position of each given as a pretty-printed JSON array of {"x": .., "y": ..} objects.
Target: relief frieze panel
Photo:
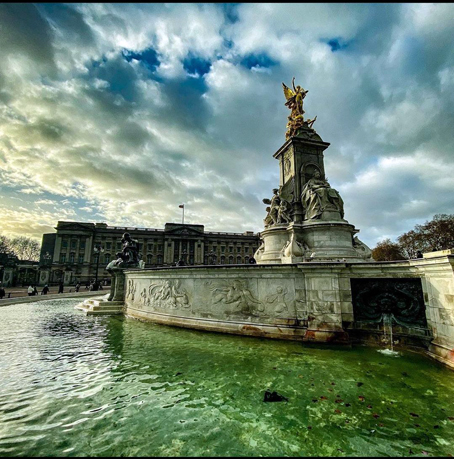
[{"x": 165, "y": 294}]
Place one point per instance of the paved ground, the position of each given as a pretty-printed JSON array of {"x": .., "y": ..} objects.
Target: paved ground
[
  {"x": 15, "y": 292},
  {"x": 20, "y": 295}
]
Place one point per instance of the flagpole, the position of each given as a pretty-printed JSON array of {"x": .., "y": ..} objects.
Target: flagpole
[{"x": 183, "y": 214}]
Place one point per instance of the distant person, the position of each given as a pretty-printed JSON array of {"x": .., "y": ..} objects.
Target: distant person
[
  {"x": 2, "y": 293},
  {"x": 45, "y": 290},
  {"x": 87, "y": 286},
  {"x": 60, "y": 287},
  {"x": 35, "y": 291},
  {"x": 419, "y": 254},
  {"x": 252, "y": 261},
  {"x": 30, "y": 290},
  {"x": 77, "y": 286}
]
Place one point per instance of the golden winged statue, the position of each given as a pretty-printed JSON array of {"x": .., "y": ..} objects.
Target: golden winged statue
[
  {"x": 295, "y": 104},
  {"x": 294, "y": 99}
]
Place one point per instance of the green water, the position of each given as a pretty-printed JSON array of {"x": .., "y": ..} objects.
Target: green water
[{"x": 73, "y": 385}]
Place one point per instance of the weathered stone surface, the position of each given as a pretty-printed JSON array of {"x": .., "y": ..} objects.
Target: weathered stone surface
[{"x": 309, "y": 301}]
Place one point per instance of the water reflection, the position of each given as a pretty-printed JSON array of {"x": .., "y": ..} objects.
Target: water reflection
[{"x": 140, "y": 389}]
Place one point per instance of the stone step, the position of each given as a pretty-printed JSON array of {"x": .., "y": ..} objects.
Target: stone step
[{"x": 97, "y": 307}]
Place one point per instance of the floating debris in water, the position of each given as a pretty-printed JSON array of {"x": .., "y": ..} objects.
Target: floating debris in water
[
  {"x": 389, "y": 352},
  {"x": 274, "y": 397},
  {"x": 359, "y": 384},
  {"x": 414, "y": 415}
]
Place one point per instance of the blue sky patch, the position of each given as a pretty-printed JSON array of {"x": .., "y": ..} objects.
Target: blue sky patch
[
  {"x": 196, "y": 65},
  {"x": 148, "y": 57},
  {"x": 230, "y": 12},
  {"x": 257, "y": 60},
  {"x": 336, "y": 44}
]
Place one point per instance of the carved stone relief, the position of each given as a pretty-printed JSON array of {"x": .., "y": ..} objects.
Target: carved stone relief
[
  {"x": 132, "y": 287},
  {"x": 278, "y": 301},
  {"x": 236, "y": 295},
  {"x": 166, "y": 295}
]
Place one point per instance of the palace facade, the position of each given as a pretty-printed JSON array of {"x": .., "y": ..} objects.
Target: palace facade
[{"x": 80, "y": 252}]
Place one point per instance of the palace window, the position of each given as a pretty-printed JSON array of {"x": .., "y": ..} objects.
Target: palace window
[
  {"x": 71, "y": 257},
  {"x": 108, "y": 245},
  {"x": 238, "y": 249},
  {"x": 238, "y": 260},
  {"x": 73, "y": 244},
  {"x": 107, "y": 258},
  {"x": 63, "y": 258},
  {"x": 230, "y": 260},
  {"x": 81, "y": 259},
  {"x": 149, "y": 259},
  {"x": 64, "y": 243},
  {"x": 82, "y": 245},
  {"x": 230, "y": 249}
]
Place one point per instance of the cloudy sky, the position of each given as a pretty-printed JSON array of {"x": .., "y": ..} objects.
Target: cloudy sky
[{"x": 118, "y": 113}]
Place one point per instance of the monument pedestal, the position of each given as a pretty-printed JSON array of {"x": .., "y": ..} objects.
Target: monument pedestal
[
  {"x": 328, "y": 240},
  {"x": 274, "y": 239},
  {"x": 318, "y": 240}
]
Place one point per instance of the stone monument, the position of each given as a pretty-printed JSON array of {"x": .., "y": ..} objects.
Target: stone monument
[{"x": 305, "y": 216}]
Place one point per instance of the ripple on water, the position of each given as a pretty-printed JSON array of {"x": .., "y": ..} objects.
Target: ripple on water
[{"x": 140, "y": 389}]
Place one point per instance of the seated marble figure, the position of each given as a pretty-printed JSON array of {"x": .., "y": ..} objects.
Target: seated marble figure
[{"x": 317, "y": 197}]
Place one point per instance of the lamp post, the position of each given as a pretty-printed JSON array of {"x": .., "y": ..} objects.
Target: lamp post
[{"x": 98, "y": 249}]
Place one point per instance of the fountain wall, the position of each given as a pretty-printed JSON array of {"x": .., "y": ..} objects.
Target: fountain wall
[{"x": 311, "y": 302}]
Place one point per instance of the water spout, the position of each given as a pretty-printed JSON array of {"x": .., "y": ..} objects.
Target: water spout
[
  {"x": 388, "y": 329},
  {"x": 388, "y": 335}
]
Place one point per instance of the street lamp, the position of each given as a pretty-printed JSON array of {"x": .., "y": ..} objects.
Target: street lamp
[{"x": 98, "y": 249}]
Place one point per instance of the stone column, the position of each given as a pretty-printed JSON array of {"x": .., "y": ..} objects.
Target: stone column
[
  {"x": 117, "y": 289},
  {"x": 57, "y": 249},
  {"x": 88, "y": 249}
]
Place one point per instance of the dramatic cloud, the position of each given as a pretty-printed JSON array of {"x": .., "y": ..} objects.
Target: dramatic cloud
[{"x": 121, "y": 112}]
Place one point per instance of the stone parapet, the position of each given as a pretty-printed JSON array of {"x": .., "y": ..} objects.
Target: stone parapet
[{"x": 310, "y": 301}]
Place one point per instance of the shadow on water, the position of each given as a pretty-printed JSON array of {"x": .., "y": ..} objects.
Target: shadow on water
[{"x": 142, "y": 389}]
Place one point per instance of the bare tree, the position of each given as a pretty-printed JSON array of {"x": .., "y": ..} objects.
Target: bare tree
[{"x": 25, "y": 248}]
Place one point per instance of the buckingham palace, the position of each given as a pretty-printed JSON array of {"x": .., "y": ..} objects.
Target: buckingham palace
[{"x": 79, "y": 251}]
